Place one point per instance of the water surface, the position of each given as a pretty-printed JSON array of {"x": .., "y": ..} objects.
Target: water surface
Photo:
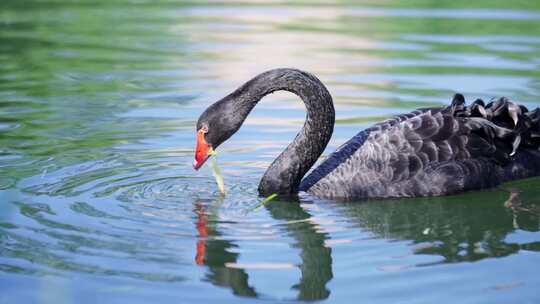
[{"x": 98, "y": 102}]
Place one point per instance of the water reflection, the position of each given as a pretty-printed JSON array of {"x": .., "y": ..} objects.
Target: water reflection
[
  {"x": 465, "y": 228},
  {"x": 316, "y": 266},
  {"x": 468, "y": 227},
  {"x": 215, "y": 254},
  {"x": 316, "y": 259}
]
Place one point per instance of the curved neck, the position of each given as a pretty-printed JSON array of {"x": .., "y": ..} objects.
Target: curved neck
[{"x": 285, "y": 173}]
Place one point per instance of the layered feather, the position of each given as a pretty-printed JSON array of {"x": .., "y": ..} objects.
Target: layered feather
[{"x": 434, "y": 151}]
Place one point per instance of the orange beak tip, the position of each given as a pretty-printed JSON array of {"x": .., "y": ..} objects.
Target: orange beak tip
[{"x": 197, "y": 163}]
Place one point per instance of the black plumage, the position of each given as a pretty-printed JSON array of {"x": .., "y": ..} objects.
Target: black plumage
[{"x": 448, "y": 150}]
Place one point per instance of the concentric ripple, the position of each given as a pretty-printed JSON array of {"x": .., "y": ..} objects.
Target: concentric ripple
[{"x": 114, "y": 210}]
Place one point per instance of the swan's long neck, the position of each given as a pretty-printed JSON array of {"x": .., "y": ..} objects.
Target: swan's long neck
[{"x": 285, "y": 173}]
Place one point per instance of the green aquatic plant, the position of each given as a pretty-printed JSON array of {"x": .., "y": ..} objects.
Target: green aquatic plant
[
  {"x": 265, "y": 201},
  {"x": 217, "y": 172},
  {"x": 221, "y": 184}
]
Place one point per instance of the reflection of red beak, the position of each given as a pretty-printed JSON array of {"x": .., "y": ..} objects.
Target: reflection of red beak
[{"x": 201, "y": 150}]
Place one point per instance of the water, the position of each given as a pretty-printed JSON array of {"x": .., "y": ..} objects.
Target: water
[{"x": 98, "y": 102}]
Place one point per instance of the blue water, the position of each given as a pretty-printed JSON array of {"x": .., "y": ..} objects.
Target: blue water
[{"x": 99, "y": 203}]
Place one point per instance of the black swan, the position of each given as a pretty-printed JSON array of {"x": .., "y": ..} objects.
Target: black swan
[{"x": 428, "y": 152}]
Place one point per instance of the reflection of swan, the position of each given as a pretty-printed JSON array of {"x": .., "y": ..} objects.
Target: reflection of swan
[
  {"x": 316, "y": 267},
  {"x": 452, "y": 227},
  {"x": 316, "y": 257},
  {"x": 428, "y": 152},
  {"x": 214, "y": 253}
]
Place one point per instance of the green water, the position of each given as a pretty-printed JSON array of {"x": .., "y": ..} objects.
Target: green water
[{"x": 99, "y": 203}]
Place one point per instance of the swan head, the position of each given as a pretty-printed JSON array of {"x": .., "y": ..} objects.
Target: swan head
[{"x": 215, "y": 125}]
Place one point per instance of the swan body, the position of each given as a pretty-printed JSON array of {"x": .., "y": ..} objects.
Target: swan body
[{"x": 428, "y": 152}]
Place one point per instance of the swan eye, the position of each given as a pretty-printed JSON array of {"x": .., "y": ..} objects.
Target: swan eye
[{"x": 204, "y": 128}]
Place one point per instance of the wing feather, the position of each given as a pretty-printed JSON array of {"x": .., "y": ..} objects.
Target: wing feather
[{"x": 432, "y": 151}]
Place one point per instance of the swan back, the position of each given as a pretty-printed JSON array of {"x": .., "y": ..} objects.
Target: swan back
[{"x": 433, "y": 151}]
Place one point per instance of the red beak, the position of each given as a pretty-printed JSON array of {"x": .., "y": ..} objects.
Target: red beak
[{"x": 201, "y": 150}]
